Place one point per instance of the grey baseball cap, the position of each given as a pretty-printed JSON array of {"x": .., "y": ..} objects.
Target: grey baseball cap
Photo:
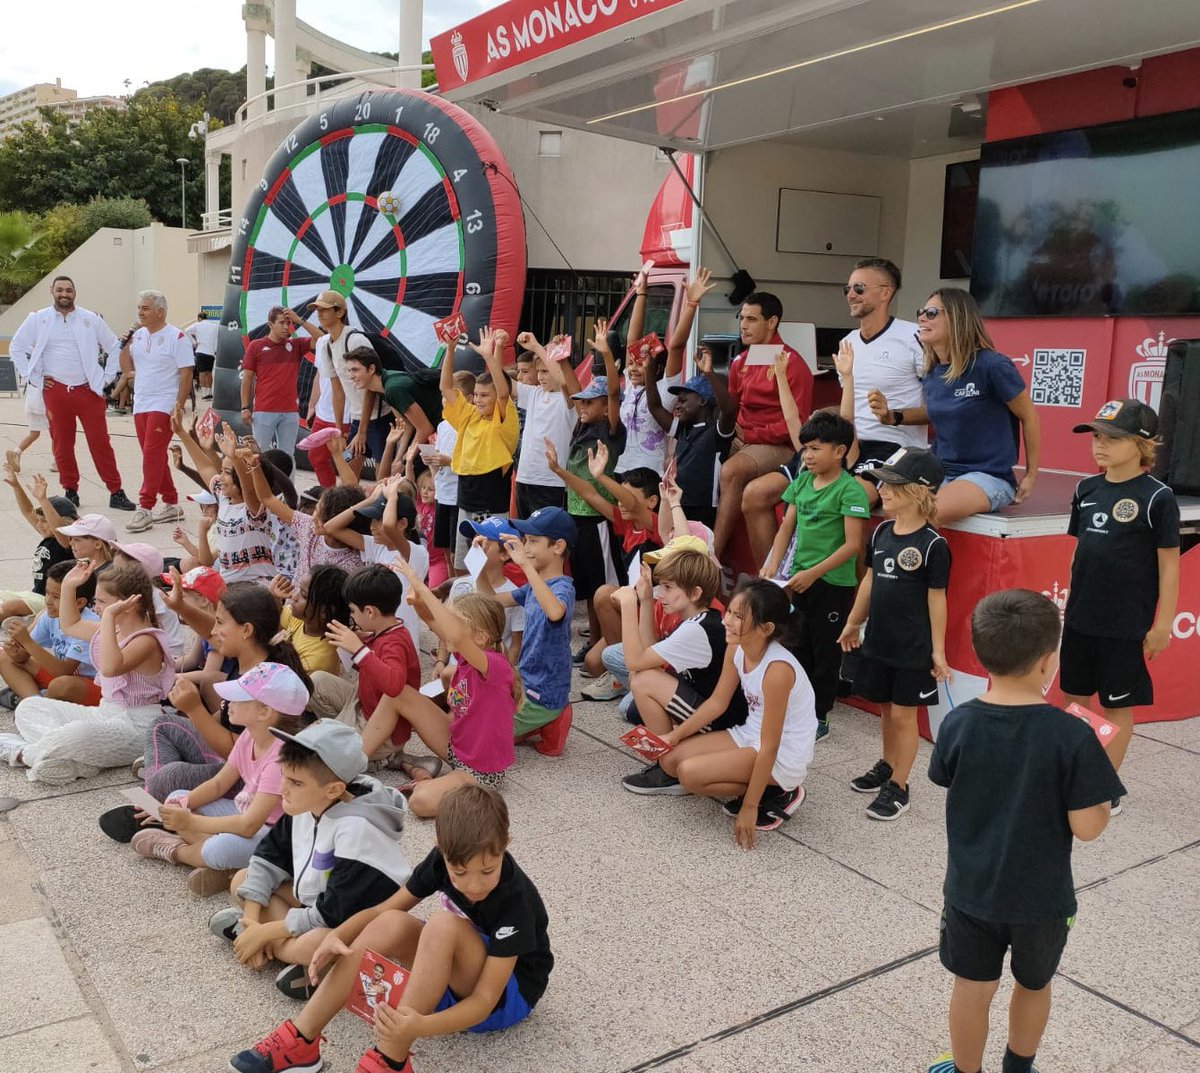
[{"x": 338, "y": 745}]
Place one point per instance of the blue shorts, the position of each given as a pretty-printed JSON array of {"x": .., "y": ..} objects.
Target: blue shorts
[
  {"x": 512, "y": 1008},
  {"x": 1000, "y": 492}
]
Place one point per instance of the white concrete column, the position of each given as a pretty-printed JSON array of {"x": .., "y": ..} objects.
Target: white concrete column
[
  {"x": 285, "y": 53},
  {"x": 212, "y": 184},
  {"x": 256, "y": 70},
  {"x": 409, "y": 48}
]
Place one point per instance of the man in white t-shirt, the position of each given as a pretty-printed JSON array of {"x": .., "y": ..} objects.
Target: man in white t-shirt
[
  {"x": 204, "y": 333},
  {"x": 160, "y": 362},
  {"x": 549, "y": 414}
]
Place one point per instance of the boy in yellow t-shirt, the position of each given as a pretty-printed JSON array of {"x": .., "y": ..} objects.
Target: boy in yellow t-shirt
[{"x": 488, "y": 428}]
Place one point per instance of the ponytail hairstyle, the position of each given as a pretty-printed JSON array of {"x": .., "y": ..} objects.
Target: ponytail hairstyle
[
  {"x": 923, "y": 498},
  {"x": 273, "y": 464},
  {"x": 767, "y": 604},
  {"x": 326, "y": 600},
  {"x": 250, "y": 604},
  {"x": 123, "y": 580},
  {"x": 486, "y": 615}
]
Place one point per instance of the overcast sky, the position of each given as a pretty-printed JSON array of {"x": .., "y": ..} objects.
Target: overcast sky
[{"x": 94, "y": 47}]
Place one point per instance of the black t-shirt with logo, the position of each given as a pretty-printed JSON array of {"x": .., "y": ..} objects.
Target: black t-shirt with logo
[
  {"x": 1014, "y": 772},
  {"x": 1119, "y": 527},
  {"x": 903, "y": 570},
  {"x": 48, "y": 553},
  {"x": 512, "y": 919}
]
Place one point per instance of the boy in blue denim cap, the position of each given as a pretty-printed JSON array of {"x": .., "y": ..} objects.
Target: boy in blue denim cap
[{"x": 549, "y": 602}]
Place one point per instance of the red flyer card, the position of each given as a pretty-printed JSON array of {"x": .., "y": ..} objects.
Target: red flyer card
[
  {"x": 450, "y": 330},
  {"x": 1104, "y": 730},
  {"x": 207, "y": 425},
  {"x": 379, "y": 982},
  {"x": 642, "y": 350},
  {"x": 645, "y": 743},
  {"x": 559, "y": 351}
]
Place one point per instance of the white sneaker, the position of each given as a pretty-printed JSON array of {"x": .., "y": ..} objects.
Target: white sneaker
[
  {"x": 141, "y": 521},
  {"x": 168, "y": 512},
  {"x": 11, "y": 746}
]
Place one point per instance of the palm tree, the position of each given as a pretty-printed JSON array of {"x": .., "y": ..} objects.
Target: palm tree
[{"x": 22, "y": 256}]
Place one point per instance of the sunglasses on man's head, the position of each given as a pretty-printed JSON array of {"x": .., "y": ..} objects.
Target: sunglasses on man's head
[
  {"x": 929, "y": 312},
  {"x": 860, "y": 288}
]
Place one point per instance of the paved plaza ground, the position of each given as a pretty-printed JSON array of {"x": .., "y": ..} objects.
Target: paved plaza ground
[{"x": 676, "y": 951}]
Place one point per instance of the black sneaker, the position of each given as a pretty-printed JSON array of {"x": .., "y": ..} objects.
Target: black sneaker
[
  {"x": 582, "y": 651},
  {"x": 313, "y": 494},
  {"x": 874, "y": 779},
  {"x": 652, "y": 780},
  {"x": 777, "y": 806},
  {"x": 891, "y": 803},
  {"x": 121, "y": 825},
  {"x": 120, "y": 501},
  {"x": 1114, "y": 808},
  {"x": 822, "y": 729},
  {"x": 293, "y": 981},
  {"x": 72, "y": 494},
  {"x": 733, "y": 806}
]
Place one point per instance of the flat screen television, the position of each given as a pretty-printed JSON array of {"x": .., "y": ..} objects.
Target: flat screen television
[{"x": 1096, "y": 222}]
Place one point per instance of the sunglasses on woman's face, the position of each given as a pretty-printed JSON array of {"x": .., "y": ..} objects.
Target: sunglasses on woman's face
[
  {"x": 929, "y": 313},
  {"x": 860, "y": 288}
]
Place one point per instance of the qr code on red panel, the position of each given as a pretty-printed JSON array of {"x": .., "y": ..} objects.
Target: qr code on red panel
[{"x": 1057, "y": 378}]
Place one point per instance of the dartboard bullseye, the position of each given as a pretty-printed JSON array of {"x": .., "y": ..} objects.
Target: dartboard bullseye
[{"x": 400, "y": 201}]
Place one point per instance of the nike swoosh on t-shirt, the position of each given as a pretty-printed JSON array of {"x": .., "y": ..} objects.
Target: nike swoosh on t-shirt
[{"x": 1092, "y": 503}]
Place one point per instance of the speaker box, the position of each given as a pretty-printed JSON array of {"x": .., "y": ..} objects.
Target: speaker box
[{"x": 1178, "y": 463}]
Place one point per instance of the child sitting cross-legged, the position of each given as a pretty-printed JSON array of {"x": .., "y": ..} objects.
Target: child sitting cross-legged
[
  {"x": 762, "y": 763},
  {"x": 479, "y": 964},
  {"x": 204, "y": 829},
  {"x": 308, "y": 609},
  {"x": 476, "y": 739},
  {"x": 694, "y": 652},
  {"x": 334, "y": 852}
]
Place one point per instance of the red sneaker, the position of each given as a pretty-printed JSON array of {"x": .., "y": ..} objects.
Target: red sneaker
[
  {"x": 373, "y": 1062},
  {"x": 553, "y": 736},
  {"x": 283, "y": 1050}
]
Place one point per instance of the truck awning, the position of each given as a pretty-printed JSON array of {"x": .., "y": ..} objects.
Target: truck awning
[{"x": 906, "y": 79}]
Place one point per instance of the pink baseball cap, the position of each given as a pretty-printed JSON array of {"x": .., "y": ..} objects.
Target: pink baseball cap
[
  {"x": 147, "y": 556},
  {"x": 316, "y": 439},
  {"x": 272, "y": 684},
  {"x": 91, "y": 525},
  {"x": 202, "y": 579}
]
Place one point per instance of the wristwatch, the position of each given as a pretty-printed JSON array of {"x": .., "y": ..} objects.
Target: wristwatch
[{"x": 897, "y": 417}]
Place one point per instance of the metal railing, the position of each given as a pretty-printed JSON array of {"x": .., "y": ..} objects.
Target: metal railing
[{"x": 216, "y": 221}]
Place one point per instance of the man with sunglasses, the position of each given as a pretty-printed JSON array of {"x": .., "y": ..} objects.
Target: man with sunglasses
[{"x": 880, "y": 366}]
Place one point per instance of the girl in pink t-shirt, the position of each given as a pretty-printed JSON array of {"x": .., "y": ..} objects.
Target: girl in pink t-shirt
[
  {"x": 207, "y": 831},
  {"x": 475, "y": 738}
]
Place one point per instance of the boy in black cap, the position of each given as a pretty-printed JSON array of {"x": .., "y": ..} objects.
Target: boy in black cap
[
  {"x": 1024, "y": 779},
  {"x": 1125, "y": 572},
  {"x": 902, "y": 600}
]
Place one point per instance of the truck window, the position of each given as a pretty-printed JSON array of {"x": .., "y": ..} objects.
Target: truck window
[{"x": 660, "y": 301}]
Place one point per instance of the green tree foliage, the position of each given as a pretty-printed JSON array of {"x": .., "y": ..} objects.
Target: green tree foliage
[
  {"x": 107, "y": 154},
  {"x": 216, "y": 92},
  {"x": 24, "y": 257}
]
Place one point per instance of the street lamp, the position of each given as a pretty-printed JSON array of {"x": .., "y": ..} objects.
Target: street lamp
[{"x": 183, "y": 162}]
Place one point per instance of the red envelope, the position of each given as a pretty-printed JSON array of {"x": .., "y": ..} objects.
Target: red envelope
[
  {"x": 380, "y": 982},
  {"x": 1103, "y": 729},
  {"x": 450, "y": 330},
  {"x": 645, "y": 743},
  {"x": 642, "y": 350},
  {"x": 207, "y": 425},
  {"x": 559, "y": 351}
]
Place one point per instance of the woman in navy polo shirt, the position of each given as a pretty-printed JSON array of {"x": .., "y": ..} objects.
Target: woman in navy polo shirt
[{"x": 976, "y": 402}]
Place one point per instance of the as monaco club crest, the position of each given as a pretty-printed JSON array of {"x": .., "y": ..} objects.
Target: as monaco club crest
[
  {"x": 1146, "y": 377},
  {"x": 459, "y": 54}
]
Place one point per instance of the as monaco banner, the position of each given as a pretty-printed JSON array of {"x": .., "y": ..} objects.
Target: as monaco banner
[{"x": 523, "y": 30}]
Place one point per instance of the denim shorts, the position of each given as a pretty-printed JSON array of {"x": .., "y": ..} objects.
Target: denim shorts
[{"x": 1000, "y": 492}]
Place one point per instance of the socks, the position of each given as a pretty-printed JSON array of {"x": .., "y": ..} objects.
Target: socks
[
  {"x": 391, "y": 1063},
  {"x": 1015, "y": 1063}
]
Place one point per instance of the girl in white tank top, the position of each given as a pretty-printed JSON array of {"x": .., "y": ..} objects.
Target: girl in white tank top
[{"x": 762, "y": 763}]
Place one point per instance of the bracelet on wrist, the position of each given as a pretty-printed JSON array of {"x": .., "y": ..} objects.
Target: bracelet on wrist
[{"x": 691, "y": 304}]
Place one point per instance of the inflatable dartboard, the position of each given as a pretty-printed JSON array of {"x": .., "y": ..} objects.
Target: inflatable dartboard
[{"x": 398, "y": 200}]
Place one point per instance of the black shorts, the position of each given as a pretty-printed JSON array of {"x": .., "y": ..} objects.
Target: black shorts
[
  {"x": 445, "y": 526},
  {"x": 871, "y": 455},
  {"x": 592, "y": 563},
  {"x": 687, "y": 698},
  {"x": 974, "y": 949},
  {"x": 876, "y": 681},
  {"x": 1113, "y": 668},
  {"x": 531, "y": 497},
  {"x": 204, "y": 363}
]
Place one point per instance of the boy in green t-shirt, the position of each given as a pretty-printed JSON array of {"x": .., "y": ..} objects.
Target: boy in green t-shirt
[{"x": 827, "y": 510}]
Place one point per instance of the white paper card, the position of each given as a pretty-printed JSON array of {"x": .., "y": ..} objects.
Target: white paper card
[
  {"x": 635, "y": 568},
  {"x": 433, "y": 689},
  {"x": 427, "y": 450},
  {"x": 141, "y": 799},
  {"x": 762, "y": 354},
  {"x": 475, "y": 560}
]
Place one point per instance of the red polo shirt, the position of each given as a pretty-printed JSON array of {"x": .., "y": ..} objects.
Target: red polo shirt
[{"x": 276, "y": 367}]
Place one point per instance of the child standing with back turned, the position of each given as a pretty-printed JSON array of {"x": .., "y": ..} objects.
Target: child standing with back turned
[
  {"x": 902, "y": 599},
  {"x": 1024, "y": 779},
  {"x": 1126, "y": 525}
]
